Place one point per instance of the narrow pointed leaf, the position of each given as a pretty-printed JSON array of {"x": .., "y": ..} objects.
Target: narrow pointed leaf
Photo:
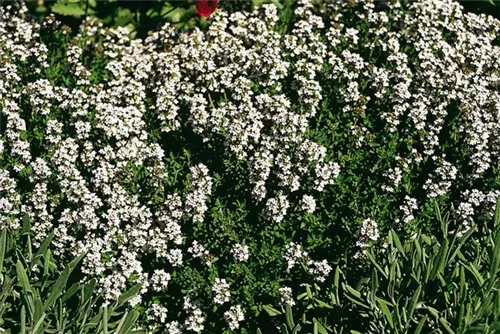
[
  {"x": 289, "y": 317},
  {"x": 271, "y": 311}
]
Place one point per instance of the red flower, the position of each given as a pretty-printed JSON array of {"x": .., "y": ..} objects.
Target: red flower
[{"x": 206, "y": 7}]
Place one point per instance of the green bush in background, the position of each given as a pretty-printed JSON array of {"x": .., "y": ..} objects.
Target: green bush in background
[
  {"x": 144, "y": 16},
  {"x": 426, "y": 284},
  {"x": 38, "y": 295},
  {"x": 139, "y": 16}
]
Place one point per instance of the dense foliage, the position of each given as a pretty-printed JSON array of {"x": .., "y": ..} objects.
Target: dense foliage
[
  {"x": 442, "y": 284},
  {"x": 221, "y": 167},
  {"x": 36, "y": 295}
]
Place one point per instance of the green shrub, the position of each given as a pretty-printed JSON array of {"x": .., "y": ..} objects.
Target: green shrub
[
  {"x": 427, "y": 284},
  {"x": 37, "y": 294}
]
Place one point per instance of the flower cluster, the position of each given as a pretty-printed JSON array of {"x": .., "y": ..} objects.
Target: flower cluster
[
  {"x": 240, "y": 252},
  {"x": 286, "y": 298},
  {"x": 294, "y": 254},
  {"x": 221, "y": 291},
  {"x": 234, "y": 316},
  {"x": 368, "y": 233}
]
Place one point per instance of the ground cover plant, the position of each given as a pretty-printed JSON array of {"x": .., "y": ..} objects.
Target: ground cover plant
[{"x": 220, "y": 169}]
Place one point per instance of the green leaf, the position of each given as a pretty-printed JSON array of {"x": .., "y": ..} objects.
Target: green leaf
[
  {"x": 414, "y": 301},
  {"x": 46, "y": 262},
  {"x": 26, "y": 227},
  {"x": 309, "y": 292},
  {"x": 22, "y": 277},
  {"x": 397, "y": 242},
  {"x": 129, "y": 294},
  {"x": 45, "y": 245},
  {"x": 441, "y": 262},
  {"x": 127, "y": 322},
  {"x": 3, "y": 246},
  {"x": 60, "y": 283},
  {"x": 105, "y": 319},
  {"x": 289, "y": 317},
  {"x": 322, "y": 303},
  {"x": 38, "y": 324},
  {"x": 23, "y": 320},
  {"x": 386, "y": 312},
  {"x": 297, "y": 329},
  {"x": 495, "y": 261},
  {"x": 68, "y": 9},
  {"x": 71, "y": 291},
  {"x": 271, "y": 311},
  {"x": 352, "y": 291},
  {"x": 475, "y": 273},
  {"x": 420, "y": 325},
  {"x": 446, "y": 325},
  {"x": 379, "y": 268},
  {"x": 496, "y": 221},
  {"x": 318, "y": 327},
  {"x": 464, "y": 238}
]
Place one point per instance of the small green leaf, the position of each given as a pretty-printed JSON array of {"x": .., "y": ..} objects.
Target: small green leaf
[
  {"x": 386, "y": 312},
  {"x": 446, "y": 325},
  {"x": 26, "y": 227},
  {"x": 68, "y": 9},
  {"x": 420, "y": 325},
  {"x": 271, "y": 311},
  {"x": 23, "y": 320},
  {"x": 45, "y": 245},
  {"x": 309, "y": 292},
  {"x": 322, "y": 303},
  {"x": 3, "y": 246},
  {"x": 105, "y": 319},
  {"x": 127, "y": 322},
  {"x": 441, "y": 260},
  {"x": 352, "y": 291},
  {"x": 38, "y": 324},
  {"x": 318, "y": 327},
  {"x": 289, "y": 317},
  {"x": 126, "y": 296},
  {"x": 496, "y": 221},
  {"x": 397, "y": 242},
  {"x": 379, "y": 268},
  {"x": 22, "y": 277},
  {"x": 414, "y": 301}
]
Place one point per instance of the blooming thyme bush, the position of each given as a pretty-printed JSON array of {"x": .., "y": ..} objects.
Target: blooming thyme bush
[{"x": 205, "y": 164}]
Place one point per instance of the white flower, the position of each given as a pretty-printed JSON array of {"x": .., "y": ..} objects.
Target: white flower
[
  {"x": 221, "y": 291},
  {"x": 286, "y": 298},
  {"x": 308, "y": 204},
  {"x": 159, "y": 280},
  {"x": 320, "y": 270},
  {"x": 174, "y": 256},
  {"x": 173, "y": 327},
  {"x": 136, "y": 300},
  {"x": 294, "y": 254},
  {"x": 194, "y": 321},
  {"x": 157, "y": 312},
  {"x": 240, "y": 252},
  {"x": 234, "y": 316}
]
